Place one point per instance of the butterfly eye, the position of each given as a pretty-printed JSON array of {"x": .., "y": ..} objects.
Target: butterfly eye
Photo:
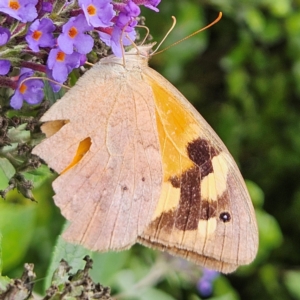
[{"x": 225, "y": 217}]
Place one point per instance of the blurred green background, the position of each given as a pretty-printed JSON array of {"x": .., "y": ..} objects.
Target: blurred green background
[{"x": 243, "y": 75}]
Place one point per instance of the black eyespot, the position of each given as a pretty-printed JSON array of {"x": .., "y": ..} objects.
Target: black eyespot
[
  {"x": 143, "y": 178},
  {"x": 225, "y": 217},
  {"x": 125, "y": 188}
]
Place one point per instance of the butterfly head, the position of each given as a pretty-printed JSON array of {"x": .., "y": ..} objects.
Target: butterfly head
[{"x": 138, "y": 55}]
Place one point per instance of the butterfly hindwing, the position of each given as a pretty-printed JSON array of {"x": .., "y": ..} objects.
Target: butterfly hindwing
[{"x": 204, "y": 212}]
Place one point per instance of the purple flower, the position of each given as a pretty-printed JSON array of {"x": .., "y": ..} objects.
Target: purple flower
[
  {"x": 113, "y": 40},
  {"x": 152, "y": 4},
  {"x": 31, "y": 90},
  {"x": 73, "y": 36},
  {"x": 40, "y": 34},
  {"x": 55, "y": 87},
  {"x": 4, "y": 66},
  {"x": 148, "y": 3},
  {"x": 131, "y": 9},
  {"x": 4, "y": 36},
  {"x": 61, "y": 64},
  {"x": 210, "y": 274},
  {"x": 22, "y": 10},
  {"x": 47, "y": 7},
  {"x": 98, "y": 13},
  {"x": 204, "y": 285},
  {"x": 124, "y": 25}
]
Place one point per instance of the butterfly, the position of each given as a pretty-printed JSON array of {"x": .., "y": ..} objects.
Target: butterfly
[{"x": 138, "y": 163}]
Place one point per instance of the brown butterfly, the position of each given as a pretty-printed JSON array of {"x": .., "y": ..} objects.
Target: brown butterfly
[{"x": 138, "y": 163}]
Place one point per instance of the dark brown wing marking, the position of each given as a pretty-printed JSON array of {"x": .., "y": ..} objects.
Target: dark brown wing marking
[
  {"x": 191, "y": 208},
  {"x": 201, "y": 153}
]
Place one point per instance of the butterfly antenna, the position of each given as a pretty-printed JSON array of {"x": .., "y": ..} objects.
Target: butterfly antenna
[
  {"x": 122, "y": 46},
  {"x": 121, "y": 41},
  {"x": 133, "y": 43},
  {"x": 147, "y": 34},
  {"x": 169, "y": 31},
  {"x": 187, "y": 37}
]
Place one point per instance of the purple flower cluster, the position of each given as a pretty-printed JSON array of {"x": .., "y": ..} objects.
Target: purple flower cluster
[
  {"x": 205, "y": 283},
  {"x": 64, "y": 45},
  {"x": 125, "y": 21}
]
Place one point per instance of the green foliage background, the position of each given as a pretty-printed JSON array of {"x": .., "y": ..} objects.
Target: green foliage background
[{"x": 243, "y": 75}]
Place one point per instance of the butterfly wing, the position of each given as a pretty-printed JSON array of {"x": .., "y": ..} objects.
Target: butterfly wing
[
  {"x": 107, "y": 155},
  {"x": 204, "y": 212}
]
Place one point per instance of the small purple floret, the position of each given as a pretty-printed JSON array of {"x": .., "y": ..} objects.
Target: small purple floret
[
  {"x": 205, "y": 283},
  {"x": 205, "y": 287},
  {"x": 152, "y": 4},
  {"x": 22, "y": 10},
  {"x": 4, "y": 66},
  {"x": 4, "y": 36},
  {"x": 148, "y": 3},
  {"x": 61, "y": 64},
  {"x": 31, "y": 90},
  {"x": 98, "y": 13},
  {"x": 73, "y": 36},
  {"x": 40, "y": 34}
]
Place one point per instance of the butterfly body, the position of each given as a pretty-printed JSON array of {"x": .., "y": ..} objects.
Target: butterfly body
[{"x": 138, "y": 163}]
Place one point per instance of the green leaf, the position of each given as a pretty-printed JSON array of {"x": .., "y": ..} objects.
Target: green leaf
[
  {"x": 39, "y": 175},
  {"x": 107, "y": 265},
  {"x": 269, "y": 275},
  {"x": 256, "y": 193},
  {"x": 72, "y": 253},
  {"x": 151, "y": 293},
  {"x": 7, "y": 171},
  {"x": 223, "y": 289},
  {"x": 4, "y": 281},
  {"x": 7, "y": 168},
  {"x": 255, "y": 20},
  {"x": 0, "y": 255},
  {"x": 17, "y": 226},
  {"x": 292, "y": 280},
  {"x": 50, "y": 95},
  {"x": 281, "y": 8},
  {"x": 293, "y": 25},
  {"x": 130, "y": 288},
  {"x": 19, "y": 134},
  {"x": 270, "y": 235}
]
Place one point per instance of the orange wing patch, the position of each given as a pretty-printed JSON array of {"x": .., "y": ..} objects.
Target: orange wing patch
[
  {"x": 175, "y": 130},
  {"x": 83, "y": 148}
]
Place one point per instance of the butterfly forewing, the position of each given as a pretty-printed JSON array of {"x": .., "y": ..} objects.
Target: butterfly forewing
[{"x": 110, "y": 194}]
